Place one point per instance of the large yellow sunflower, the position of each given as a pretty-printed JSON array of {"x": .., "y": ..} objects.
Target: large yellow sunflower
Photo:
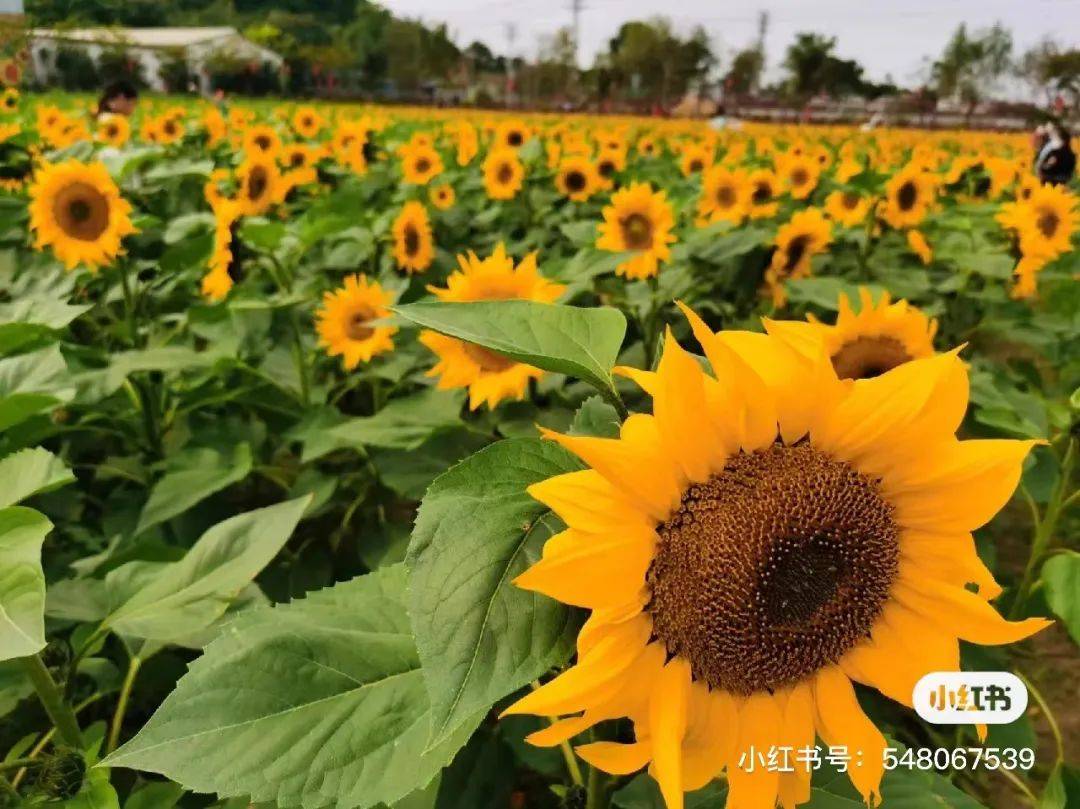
[
  {"x": 577, "y": 178},
  {"x": 414, "y": 247},
  {"x": 767, "y": 537},
  {"x": 503, "y": 174},
  {"x": 420, "y": 163},
  {"x": 76, "y": 209},
  {"x": 638, "y": 220},
  {"x": 805, "y": 235},
  {"x": 260, "y": 185},
  {"x": 874, "y": 340},
  {"x": 489, "y": 376},
  {"x": 345, "y": 317},
  {"x": 848, "y": 208},
  {"x": 725, "y": 195},
  {"x": 908, "y": 196}
]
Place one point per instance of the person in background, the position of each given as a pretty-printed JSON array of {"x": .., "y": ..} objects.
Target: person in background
[
  {"x": 1055, "y": 161},
  {"x": 119, "y": 98}
]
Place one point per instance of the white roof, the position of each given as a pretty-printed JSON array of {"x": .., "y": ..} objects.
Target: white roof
[{"x": 145, "y": 37}]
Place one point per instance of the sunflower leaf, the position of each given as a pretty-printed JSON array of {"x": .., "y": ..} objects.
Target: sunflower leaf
[
  {"x": 22, "y": 586},
  {"x": 316, "y": 703},
  {"x": 480, "y": 637},
  {"x": 29, "y": 472},
  {"x": 1061, "y": 578},
  {"x": 565, "y": 339}
]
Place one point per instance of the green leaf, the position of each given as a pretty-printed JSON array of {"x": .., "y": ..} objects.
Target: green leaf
[
  {"x": 203, "y": 472},
  {"x": 155, "y": 795},
  {"x": 643, "y": 793},
  {"x": 479, "y": 637},
  {"x": 169, "y": 601},
  {"x": 825, "y": 292},
  {"x": 30, "y": 383},
  {"x": 580, "y": 234},
  {"x": 317, "y": 703},
  {"x": 1063, "y": 789},
  {"x": 565, "y": 339},
  {"x": 22, "y": 582},
  {"x": 597, "y": 418},
  {"x": 14, "y": 686},
  {"x": 31, "y": 317},
  {"x": 96, "y": 793},
  {"x": 480, "y": 777},
  {"x": 720, "y": 243},
  {"x": 28, "y": 472},
  {"x": 1061, "y": 578}
]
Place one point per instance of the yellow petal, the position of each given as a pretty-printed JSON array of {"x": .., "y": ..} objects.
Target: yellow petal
[
  {"x": 586, "y": 500},
  {"x": 667, "y": 725},
  {"x": 614, "y": 758},
  {"x": 950, "y": 558},
  {"x": 710, "y": 736},
  {"x": 760, "y": 724},
  {"x": 842, "y": 723}
]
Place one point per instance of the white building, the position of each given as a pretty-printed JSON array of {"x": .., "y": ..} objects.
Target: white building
[{"x": 152, "y": 47}]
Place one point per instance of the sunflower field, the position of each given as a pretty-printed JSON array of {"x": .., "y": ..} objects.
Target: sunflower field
[{"x": 358, "y": 456}]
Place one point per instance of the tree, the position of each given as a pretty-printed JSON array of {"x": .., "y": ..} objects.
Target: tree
[
  {"x": 744, "y": 75},
  {"x": 652, "y": 62},
  {"x": 812, "y": 68},
  {"x": 1053, "y": 70},
  {"x": 971, "y": 64}
]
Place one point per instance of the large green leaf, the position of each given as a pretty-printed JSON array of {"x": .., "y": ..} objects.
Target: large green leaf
[
  {"x": 479, "y": 637},
  {"x": 1061, "y": 578},
  {"x": 167, "y": 602},
  {"x": 643, "y": 793},
  {"x": 22, "y": 582},
  {"x": 29, "y": 472},
  {"x": 30, "y": 383},
  {"x": 317, "y": 703},
  {"x": 200, "y": 473},
  {"x": 32, "y": 317},
  {"x": 566, "y": 339}
]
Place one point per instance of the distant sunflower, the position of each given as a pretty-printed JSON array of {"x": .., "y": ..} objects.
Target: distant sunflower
[
  {"x": 919, "y": 246},
  {"x": 344, "y": 321},
  {"x": 489, "y": 376},
  {"x": 725, "y": 195},
  {"x": 297, "y": 156},
  {"x": 466, "y": 142},
  {"x": 1026, "y": 273},
  {"x": 115, "y": 130},
  {"x": 76, "y": 209},
  {"x": 1048, "y": 221},
  {"x": 849, "y": 167},
  {"x": 764, "y": 539},
  {"x": 511, "y": 134},
  {"x": 876, "y": 339},
  {"x": 442, "y": 196},
  {"x": 800, "y": 173},
  {"x": 414, "y": 247},
  {"x": 638, "y": 220},
  {"x": 804, "y": 236},
  {"x": 347, "y": 145},
  {"x": 307, "y": 122},
  {"x": 695, "y": 158},
  {"x": 219, "y": 280},
  {"x": 260, "y": 185},
  {"x": 262, "y": 141},
  {"x": 214, "y": 124},
  {"x": 168, "y": 129},
  {"x": 577, "y": 178},
  {"x": 764, "y": 190},
  {"x": 908, "y": 196},
  {"x": 647, "y": 146},
  {"x": 420, "y": 163},
  {"x": 609, "y": 162},
  {"x": 9, "y": 100},
  {"x": 503, "y": 174},
  {"x": 848, "y": 208}
]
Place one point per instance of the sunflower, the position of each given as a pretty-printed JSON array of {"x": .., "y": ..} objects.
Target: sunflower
[
  {"x": 919, "y": 246},
  {"x": 489, "y": 376},
  {"x": 805, "y": 235},
  {"x": 420, "y": 163},
  {"x": 9, "y": 100},
  {"x": 511, "y": 134},
  {"x": 76, "y": 209},
  {"x": 638, "y": 220},
  {"x": 442, "y": 196},
  {"x": 1027, "y": 273},
  {"x": 577, "y": 178},
  {"x": 219, "y": 278},
  {"x": 764, "y": 189},
  {"x": 414, "y": 247},
  {"x": 307, "y": 123},
  {"x": 609, "y": 163},
  {"x": 696, "y": 157},
  {"x": 260, "y": 185},
  {"x": 8, "y": 131},
  {"x": 466, "y": 142},
  {"x": 849, "y": 167},
  {"x": 347, "y": 145},
  {"x": 345, "y": 317},
  {"x": 297, "y": 156},
  {"x": 647, "y": 146},
  {"x": 262, "y": 141},
  {"x": 1048, "y": 221},
  {"x": 876, "y": 339},
  {"x": 908, "y": 196},
  {"x": 167, "y": 130},
  {"x": 503, "y": 174},
  {"x": 800, "y": 173},
  {"x": 214, "y": 124},
  {"x": 725, "y": 195},
  {"x": 848, "y": 208},
  {"x": 767, "y": 537},
  {"x": 114, "y": 130}
]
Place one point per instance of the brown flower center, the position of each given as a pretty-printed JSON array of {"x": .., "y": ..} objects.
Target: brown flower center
[
  {"x": 257, "y": 183},
  {"x": 762, "y": 192},
  {"x": 488, "y": 360},
  {"x": 637, "y": 230},
  {"x": 725, "y": 196},
  {"x": 800, "y": 176},
  {"x": 851, "y": 200},
  {"x": 412, "y": 240},
  {"x": 695, "y": 165},
  {"x": 796, "y": 249},
  {"x": 515, "y": 139},
  {"x": 81, "y": 211},
  {"x": 868, "y": 357},
  {"x": 907, "y": 195},
  {"x": 263, "y": 142},
  {"x": 575, "y": 181},
  {"x": 1047, "y": 223},
  {"x": 772, "y": 569},
  {"x": 505, "y": 174},
  {"x": 356, "y": 327},
  {"x": 423, "y": 165}
]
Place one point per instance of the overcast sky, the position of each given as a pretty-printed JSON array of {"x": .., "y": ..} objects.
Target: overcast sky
[{"x": 885, "y": 36}]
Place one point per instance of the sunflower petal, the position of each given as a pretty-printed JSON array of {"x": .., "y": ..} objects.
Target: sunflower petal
[
  {"x": 751, "y": 784},
  {"x": 841, "y": 722},
  {"x": 615, "y": 758},
  {"x": 667, "y": 726},
  {"x": 963, "y": 613}
]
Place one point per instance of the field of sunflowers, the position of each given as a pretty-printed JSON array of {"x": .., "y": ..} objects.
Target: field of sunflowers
[{"x": 358, "y": 456}]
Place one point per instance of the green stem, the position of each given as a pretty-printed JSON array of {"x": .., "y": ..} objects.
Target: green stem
[
  {"x": 59, "y": 711},
  {"x": 121, "y": 705},
  {"x": 612, "y": 397},
  {"x": 300, "y": 359},
  {"x": 1045, "y": 527},
  {"x": 17, "y": 763},
  {"x": 129, "y": 303},
  {"x": 1051, "y": 720},
  {"x": 596, "y": 789}
]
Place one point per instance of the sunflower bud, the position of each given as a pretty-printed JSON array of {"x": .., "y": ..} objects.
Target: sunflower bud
[{"x": 61, "y": 774}]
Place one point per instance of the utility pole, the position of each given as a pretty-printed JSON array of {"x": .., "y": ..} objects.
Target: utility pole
[
  {"x": 511, "y": 35},
  {"x": 576, "y": 7}
]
